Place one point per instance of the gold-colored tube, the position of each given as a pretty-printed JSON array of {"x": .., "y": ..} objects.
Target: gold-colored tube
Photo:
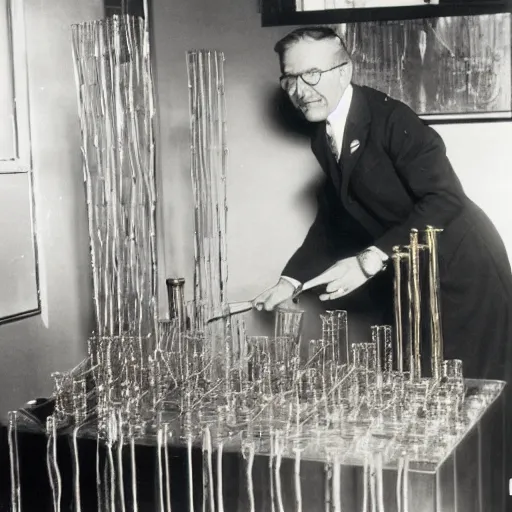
[
  {"x": 435, "y": 306},
  {"x": 415, "y": 306},
  {"x": 410, "y": 316},
  {"x": 396, "y": 257}
]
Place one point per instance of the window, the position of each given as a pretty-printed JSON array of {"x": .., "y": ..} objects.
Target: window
[{"x": 134, "y": 7}]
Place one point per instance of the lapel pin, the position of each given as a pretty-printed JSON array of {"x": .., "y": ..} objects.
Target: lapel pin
[{"x": 354, "y": 146}]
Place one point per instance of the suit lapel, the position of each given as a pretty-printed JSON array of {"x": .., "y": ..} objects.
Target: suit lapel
[{"x": 355, "y": 137}]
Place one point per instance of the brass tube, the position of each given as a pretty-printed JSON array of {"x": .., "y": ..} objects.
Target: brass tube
[
  {"x": 410, "y": 335},
  {"x": 396, "y": 257},
  {"x": 435, "y": 306},
  {"x": 415, "y": 306}
]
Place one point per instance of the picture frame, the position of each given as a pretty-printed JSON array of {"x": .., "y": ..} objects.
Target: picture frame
[
  {"x": 448, "y": 70},
  {"x": 285, "y": 12}
]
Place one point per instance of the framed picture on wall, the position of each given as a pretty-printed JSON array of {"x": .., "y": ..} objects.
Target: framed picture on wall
[
  {"x": 302, "y": 12},
  {"x": 448, "y": 69}
]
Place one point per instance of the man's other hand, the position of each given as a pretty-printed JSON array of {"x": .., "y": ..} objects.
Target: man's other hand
[
  {"x": 342, "y": 278},
  {"x": 274, "y": 296}
]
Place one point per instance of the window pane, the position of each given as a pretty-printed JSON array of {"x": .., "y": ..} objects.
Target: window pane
[
  {"x": 18, "y": 290},
  {"x": 7, "y": 134}
]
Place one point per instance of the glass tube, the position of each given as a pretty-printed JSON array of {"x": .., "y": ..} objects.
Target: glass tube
[
  {"x": 378, "y": 340},
  {"x": 288, "y": 323},
  {"x": 381, "y": 336},
  {"x": 388, "y": 349},
  {"x": 335, "y": 333},
  {"x": 357, "y": 355},
  {"x": 14, "y": 459},
  {"x": 116, "y": 110},
  {"x": 176, "y": 298},
  {"x": 369, "y": 354},
  {"x": 453, "y": 377},
  {"x": 452, "y": 369},
  {"x": 209, "y": 166}
]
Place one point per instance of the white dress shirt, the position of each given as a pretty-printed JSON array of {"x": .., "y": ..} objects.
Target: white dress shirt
[{"x": 338, "y": 118}]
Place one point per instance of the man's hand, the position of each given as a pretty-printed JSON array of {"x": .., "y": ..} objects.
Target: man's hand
[
  {"x": 342, "y": 278},
  {"x": 270, "y": 298}
]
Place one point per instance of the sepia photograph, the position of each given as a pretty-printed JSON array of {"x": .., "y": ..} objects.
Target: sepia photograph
[{"x": 256, "y": 256}]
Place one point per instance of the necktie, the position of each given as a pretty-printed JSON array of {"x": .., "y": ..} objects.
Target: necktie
[
  {"x": 334, "y": 170},
  {"x": 332, "y": 140}
]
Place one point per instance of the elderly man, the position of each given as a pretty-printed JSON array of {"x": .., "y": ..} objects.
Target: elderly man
[{"x": 387, "y": 172}]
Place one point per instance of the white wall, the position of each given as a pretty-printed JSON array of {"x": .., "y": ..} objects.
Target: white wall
[{"x": 482, "y": 157}]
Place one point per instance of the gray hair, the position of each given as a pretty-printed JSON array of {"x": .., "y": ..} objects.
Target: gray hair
[{"x": 317, "y": 33}]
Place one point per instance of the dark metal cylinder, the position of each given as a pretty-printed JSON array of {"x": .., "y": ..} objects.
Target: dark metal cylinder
[{"x": 176, "y": 298}]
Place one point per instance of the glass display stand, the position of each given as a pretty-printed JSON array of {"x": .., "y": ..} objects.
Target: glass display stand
[
  {"x": 466, "y": 476},
  {"x": 470, "y": 479}
]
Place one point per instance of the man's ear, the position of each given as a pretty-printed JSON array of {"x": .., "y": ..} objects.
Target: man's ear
[{"x": 281, "y": 67}]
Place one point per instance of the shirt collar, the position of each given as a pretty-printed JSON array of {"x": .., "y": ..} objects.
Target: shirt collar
[
  {"x": 340, "y": 113},
  {"x": 338, "y": 118}
]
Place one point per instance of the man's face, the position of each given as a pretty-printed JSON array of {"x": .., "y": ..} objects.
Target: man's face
[{"x": 316, "y": 102}]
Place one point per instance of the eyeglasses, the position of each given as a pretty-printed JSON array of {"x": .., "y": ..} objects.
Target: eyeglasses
[{"x": 311, "y": 78}]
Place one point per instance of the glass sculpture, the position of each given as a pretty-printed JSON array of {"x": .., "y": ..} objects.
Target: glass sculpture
[
  {"x": 378, "y": 405},
  {"x": 113, "y": 75},
  {"x": 208, "y": 168},
  {"x": 275, "y": 401}
]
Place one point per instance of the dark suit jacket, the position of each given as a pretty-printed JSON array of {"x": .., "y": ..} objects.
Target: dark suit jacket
[{"x": 400, "y": 178}]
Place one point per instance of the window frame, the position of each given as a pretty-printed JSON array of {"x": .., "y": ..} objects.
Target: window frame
[{"x": 21, "y": 160}]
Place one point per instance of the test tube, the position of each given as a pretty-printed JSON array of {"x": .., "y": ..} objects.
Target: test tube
[
  {"x": 288, "y": 322},
  {"x": 176, "y": 297},
  {"x": 377, "y": 339},
  {"x": 335, "y": 332}
]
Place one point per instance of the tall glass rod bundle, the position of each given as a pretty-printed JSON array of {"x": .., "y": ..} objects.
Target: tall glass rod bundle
[
  {"x": 116, "y": 108},
  {"x": 209, "y": 162}
]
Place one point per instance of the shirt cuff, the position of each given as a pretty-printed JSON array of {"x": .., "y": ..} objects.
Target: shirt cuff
[
  {"x": 384, "y": 257},
  {"x": 294, "y": 282}
]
